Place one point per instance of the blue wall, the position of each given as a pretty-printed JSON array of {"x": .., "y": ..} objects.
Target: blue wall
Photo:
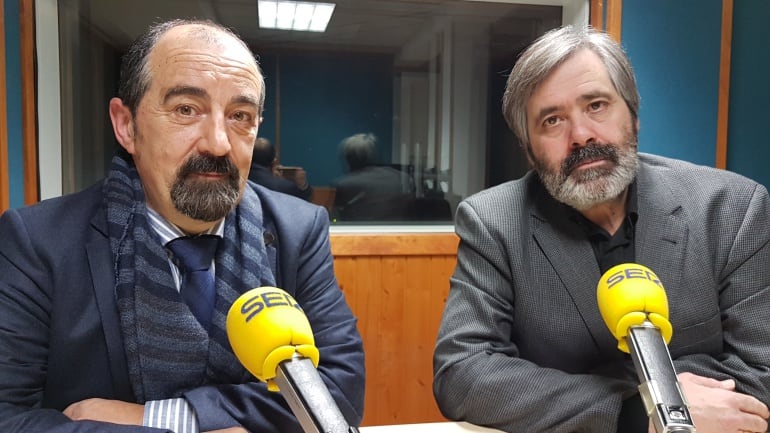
[
  {"x": 325, "y": 98},
  {"x": 13, "y": 101},
  {"x": 748, "y": 142},
  {"x": 675, "y": 48}
]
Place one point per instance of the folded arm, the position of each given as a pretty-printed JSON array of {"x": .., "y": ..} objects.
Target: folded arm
[
  {"x": 309, "y": 277},
  {"x": 744, "y": 297},
  {"x": 479, "y": 373}
]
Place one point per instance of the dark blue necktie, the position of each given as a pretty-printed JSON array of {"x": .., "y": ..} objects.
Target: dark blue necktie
[{"x": 193, "y": 255}]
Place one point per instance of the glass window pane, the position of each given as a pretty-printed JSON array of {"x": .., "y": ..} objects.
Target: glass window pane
[{"x": 393, "y": 111}]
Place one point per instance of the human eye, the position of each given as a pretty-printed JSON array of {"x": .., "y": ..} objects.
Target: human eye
[
  {"x": 550, "y": 121},
  {"x": 598, "y": 105},
  {"x": 242, "y": 116},
  {"x": 185, "y": 110}
]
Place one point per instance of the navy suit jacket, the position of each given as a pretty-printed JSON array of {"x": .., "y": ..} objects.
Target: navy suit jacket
[{"x": 60, "y": 337}]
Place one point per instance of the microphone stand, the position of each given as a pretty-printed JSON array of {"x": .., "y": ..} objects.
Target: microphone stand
[
  {"x": 658, "y": 384},
  {"x": 309, "y": 398}
]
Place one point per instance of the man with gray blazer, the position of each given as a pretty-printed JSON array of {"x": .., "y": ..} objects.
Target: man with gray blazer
[{"x": 522, "y": 345}]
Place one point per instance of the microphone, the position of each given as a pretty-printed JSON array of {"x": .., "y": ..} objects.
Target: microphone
[
  {"x": 271, "y": 336},
  {"x": 633, "y": 304}
]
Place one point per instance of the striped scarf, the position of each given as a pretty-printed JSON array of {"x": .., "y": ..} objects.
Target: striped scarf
[{"x": 167, "y": 350}]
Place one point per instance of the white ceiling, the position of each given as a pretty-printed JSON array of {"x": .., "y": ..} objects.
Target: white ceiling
[{"x": 367, "y": 25}]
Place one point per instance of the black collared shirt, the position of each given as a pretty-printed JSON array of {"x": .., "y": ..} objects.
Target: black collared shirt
[{"x": 611, "y": 250}]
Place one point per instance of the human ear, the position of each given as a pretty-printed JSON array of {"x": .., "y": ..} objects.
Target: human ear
[{"x": 122, "y": 124}]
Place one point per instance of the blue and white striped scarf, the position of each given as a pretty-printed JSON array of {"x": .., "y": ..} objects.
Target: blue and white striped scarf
[{"x": 167, "y": 350}]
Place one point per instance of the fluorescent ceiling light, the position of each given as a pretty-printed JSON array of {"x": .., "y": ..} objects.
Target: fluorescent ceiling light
[{"x": 292, "y": 15}]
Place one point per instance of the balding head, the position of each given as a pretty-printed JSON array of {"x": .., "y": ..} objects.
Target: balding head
[{"x": 135, "y": 74}]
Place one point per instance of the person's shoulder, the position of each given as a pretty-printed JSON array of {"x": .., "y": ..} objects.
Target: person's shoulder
[
  {"x": 58, "y": 221},
  {"x": 292, "y": 217},
  {"x": 66, "y": 206},
  {"x": 692, "y": 174},
  {"x": 508, "y": 201},
  {"x": 696, "y": 186},
  {"x": 282, "y": 202},
  {"x": 266, "y": 178},
  {"x": 509, "y": 191}
]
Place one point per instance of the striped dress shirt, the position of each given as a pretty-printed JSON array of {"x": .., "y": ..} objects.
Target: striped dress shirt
[{"x": 174, "y": 414}]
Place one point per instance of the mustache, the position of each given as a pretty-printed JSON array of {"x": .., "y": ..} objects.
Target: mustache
[
  {"x": 208, "y": 164},
  {"x": 590, "y": 152}
]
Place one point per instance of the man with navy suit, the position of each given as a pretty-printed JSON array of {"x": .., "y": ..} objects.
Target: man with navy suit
[
  {"x": 95, "y": 335},
  {"x": 522, "y": 345}
]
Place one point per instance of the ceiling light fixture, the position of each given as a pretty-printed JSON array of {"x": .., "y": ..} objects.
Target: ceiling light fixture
[{"x": 292, "y": 15}]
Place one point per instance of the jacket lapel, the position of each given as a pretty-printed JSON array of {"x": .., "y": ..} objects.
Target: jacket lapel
[
  {"x": 572, "y": 258},
  {"x": 101, "y": 267},
  {"x": 661, "y": 234}
]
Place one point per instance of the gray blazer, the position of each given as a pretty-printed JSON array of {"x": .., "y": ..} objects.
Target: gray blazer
[{"x": 522, "y": 346}]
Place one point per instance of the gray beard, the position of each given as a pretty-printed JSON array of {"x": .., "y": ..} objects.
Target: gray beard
[
  {"x": 205, "y": 201},
  {"x": 591, "y": 187}
]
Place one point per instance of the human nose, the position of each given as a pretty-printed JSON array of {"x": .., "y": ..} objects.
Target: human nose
[
  {"x": 581, "y": 133},
  {"x": 216, "y": 140}
]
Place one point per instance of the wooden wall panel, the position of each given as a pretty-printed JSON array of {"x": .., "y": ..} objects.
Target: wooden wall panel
[
  {"x": 723, "y": 104},
  {"x": 614, "y": 22},
  {"x": 28, "y": 101},
  {"x": 596, "y": 14},
  {"x": 397, "y": 285}
]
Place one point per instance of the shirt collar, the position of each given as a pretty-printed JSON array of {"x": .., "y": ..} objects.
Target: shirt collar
[{"x": 168, "y": 231}]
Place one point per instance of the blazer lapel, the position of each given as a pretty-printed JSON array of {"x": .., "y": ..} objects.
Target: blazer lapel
[
  {"x": 660, "y": 234},
  {"x": 101, "y": 266},
  {"x": 570, "y": 254}
]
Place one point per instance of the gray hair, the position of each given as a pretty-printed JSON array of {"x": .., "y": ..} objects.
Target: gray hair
[
  {"x": 134, "y": 71},
  {"x": 550, "y": 51},
  {"x": 359, "y": 150}
]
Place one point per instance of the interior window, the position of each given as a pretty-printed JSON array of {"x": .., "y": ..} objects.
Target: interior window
[{"x": 393, "y": 111}]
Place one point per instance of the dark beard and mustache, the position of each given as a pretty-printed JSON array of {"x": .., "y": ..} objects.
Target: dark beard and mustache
[
  {"x": 589, "y": 187},
  {"x": 206, "y": 200}
]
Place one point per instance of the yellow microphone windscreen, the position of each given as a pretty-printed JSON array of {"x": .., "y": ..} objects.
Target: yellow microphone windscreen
[
  {"x": 265, "y": 327},
  {"x": 628, "y": 294}
]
